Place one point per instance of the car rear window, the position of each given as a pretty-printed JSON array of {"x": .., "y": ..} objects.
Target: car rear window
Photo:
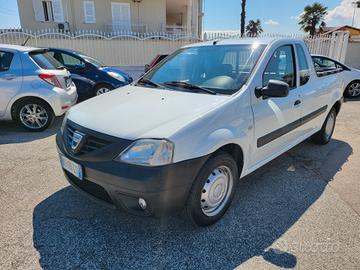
[{"x": 44, "y": 60}]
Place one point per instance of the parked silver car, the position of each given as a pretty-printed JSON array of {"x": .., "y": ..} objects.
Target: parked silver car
[{"x": 34, "y": 87}]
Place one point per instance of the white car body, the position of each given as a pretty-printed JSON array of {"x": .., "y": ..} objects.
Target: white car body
[
  {"x": 200, "y": 124},
  {"x": 22, "y": 80}
]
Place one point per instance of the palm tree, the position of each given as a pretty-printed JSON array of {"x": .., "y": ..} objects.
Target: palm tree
[
  {"x": 312, "y": 17},
  {"x": 243, "y": 15},
  {"x": 253, "y": 29}
]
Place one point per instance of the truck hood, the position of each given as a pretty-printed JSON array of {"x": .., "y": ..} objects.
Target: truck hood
[{"x": 133, "y": 112}]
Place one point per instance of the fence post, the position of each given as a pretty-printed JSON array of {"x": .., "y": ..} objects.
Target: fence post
[{"x": 345, "y": 42}]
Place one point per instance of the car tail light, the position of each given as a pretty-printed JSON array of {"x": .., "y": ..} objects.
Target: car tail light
[{"x": 51, "y": 79}]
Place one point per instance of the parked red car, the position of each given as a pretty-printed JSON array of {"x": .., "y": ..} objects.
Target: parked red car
[{"x": 155, "y": 61}]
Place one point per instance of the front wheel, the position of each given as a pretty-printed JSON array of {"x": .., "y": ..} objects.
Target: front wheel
[
  {"x": 353, "y": 90},
  {"x": 102, "y": 89},
  {"x": 327, "y": 129},
  {"x": 213, "y": 190}
]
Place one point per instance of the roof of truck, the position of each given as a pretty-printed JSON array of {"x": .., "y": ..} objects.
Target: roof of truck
[{"x": 246, "y": 41}]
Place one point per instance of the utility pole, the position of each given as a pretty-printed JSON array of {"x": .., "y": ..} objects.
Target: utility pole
[
  {"x": 356, "y": 5},
  {"x": 242, "y": 18}
]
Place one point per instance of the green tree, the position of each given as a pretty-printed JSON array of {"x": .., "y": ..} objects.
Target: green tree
[
  {"x": 243, "y": 16},
  {"x": 312, "y": 17},
  {"x": 254, "y": 28}
]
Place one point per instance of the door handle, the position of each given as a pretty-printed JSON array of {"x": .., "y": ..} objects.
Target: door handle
[
  {"x": 9, "y": 77},
  {"x": 297, "y": 102}
]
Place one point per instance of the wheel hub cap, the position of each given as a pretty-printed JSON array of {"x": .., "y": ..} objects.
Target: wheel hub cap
[
  {"x": 354, "y": 90},
  {"x": 102, "y": 90},
  {"x": 33, "y": 116},
  {"x": 216, "y": 191}
]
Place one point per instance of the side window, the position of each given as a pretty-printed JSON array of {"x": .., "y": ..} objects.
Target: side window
[
  {"x": 72, "y": 62},
  {"x": 303, "y": 65},
  {"x": 48, "y": 11},
  {"x": 323, "y": 64},
  {"x": 5, "y": 61},
  {"x": 281, "y": 67}
]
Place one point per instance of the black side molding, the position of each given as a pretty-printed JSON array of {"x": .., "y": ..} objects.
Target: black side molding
[{"x": 289, "y": 127}]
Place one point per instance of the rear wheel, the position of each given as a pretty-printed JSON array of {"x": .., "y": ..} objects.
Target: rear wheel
[
  {"x": 325, "y": 134},
  {"x": 102, "y": 89},
  {"x": 353, "y": 89},
  {"x": 34, "y": 114},
  {"x": 213, "y": 190}
]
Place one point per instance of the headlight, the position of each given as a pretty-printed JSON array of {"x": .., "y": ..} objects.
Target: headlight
[
  {"x": 116, "y": 76},
  {"x": 148, "y": 152},
  {"x": 64, "y": 122}
]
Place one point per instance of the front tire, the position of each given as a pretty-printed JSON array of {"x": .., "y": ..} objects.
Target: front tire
[
  {"x": 34, "y": 114},
  {"x": 324, "y": 135},
  {"x": 213, "y": 190},
  {"x": 102, "y": 89}
]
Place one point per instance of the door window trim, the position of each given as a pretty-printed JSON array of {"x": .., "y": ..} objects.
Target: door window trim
[{"x": 298, "y": 63}]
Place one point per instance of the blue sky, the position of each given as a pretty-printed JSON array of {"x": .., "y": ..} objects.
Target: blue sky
[{"x": 277, "y": 16}]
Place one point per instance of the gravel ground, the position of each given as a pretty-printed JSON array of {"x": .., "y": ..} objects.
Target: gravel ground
[{"x": 300, "y": 211}]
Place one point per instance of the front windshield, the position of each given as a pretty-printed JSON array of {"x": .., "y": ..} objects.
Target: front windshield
[
  {"x": 221, "y": 68},
  {"x": 93, "y": 61}
]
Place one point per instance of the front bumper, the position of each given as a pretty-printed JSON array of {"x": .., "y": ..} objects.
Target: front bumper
[{"x": 164, "y": 188}]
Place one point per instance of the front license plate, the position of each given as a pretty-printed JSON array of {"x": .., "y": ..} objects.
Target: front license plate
[{"x": 71, "y": 166}]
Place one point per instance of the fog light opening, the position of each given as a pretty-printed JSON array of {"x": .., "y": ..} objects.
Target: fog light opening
[{"x": 142, "y": 203}]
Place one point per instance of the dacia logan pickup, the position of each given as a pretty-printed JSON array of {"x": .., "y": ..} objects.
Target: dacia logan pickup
[{"x": 182, "y": 136}]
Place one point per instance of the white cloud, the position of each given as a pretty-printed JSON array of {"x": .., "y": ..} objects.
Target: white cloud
[
  {"x": 343, "y": 14},
  {"x": 271, "y": 22}
]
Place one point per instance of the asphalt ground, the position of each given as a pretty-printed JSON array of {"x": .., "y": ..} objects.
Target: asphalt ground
[{"x": 300, "y": 211}]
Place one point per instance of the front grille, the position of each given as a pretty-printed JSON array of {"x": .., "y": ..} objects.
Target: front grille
[
  {"x": 91, "y": 143},
  {"x": 91, "y": 188}
]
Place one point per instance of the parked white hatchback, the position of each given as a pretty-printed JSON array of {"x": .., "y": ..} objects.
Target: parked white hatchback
[
  {"x": 209, "y": 114},
  {"x": 351, "y": 76},
  {"x": 34, "y": 87}
]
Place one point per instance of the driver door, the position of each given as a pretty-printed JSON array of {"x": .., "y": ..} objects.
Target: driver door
[{"x": 277, "y": 120}]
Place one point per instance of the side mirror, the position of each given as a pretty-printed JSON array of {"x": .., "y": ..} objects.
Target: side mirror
[
  {"x": 274, "y": 88},
  {"x": 147, "y": 68}
]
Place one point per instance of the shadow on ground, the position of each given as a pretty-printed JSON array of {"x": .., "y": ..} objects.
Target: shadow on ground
[
  {"x": 352, "y": 99},
  {"x": 71, "y": 231},
  {"x": 11, "y": 132}
]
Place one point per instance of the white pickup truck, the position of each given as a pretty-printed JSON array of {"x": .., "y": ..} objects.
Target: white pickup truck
[{"x": 183, "y": 135}]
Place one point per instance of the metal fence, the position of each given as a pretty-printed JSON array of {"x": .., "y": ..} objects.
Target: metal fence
[
  {"x": 334, "y": 45},
  {"x": 116, "y": 48},
  {"x": 136, "y": 49}
]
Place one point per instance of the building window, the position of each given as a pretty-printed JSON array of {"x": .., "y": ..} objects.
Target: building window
[
  {"x": 48, "y": 11},
  {"x": 89, "y": 12}
]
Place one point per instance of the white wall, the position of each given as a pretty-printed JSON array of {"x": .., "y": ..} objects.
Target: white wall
[{"x": 353, "y": 54}]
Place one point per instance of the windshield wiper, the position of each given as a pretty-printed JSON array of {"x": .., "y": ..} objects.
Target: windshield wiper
[
  {"x": 190, "y": 86},
  {"x": 149, "y": 82}
]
